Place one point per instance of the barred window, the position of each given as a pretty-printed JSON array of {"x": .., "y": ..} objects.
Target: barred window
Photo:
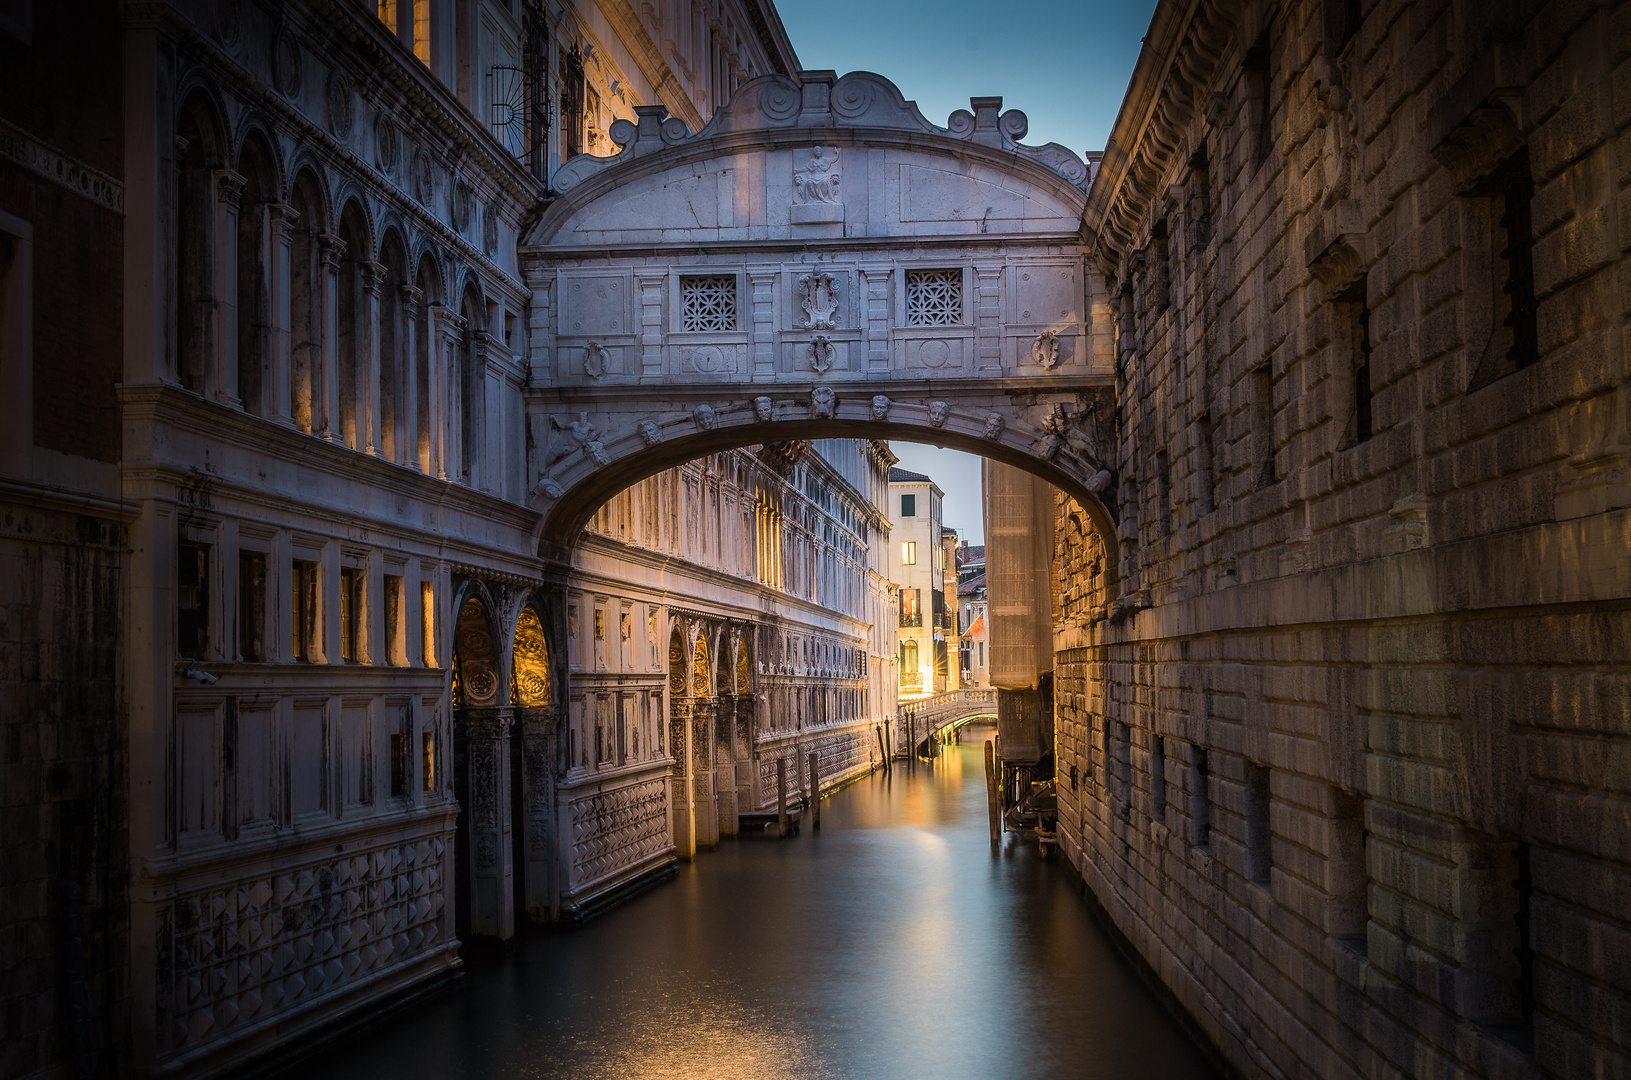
[
  {"x": 934, "y": 297},
  {"x": 708, "y": 303}
]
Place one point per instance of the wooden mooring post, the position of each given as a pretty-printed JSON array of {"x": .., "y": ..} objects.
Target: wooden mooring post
[
  {"x": 781, "y": 796},
  {"x": 815, "y": 792},
  {"x": 991, "y": 800},
  {"x": 883, "y": 749}
]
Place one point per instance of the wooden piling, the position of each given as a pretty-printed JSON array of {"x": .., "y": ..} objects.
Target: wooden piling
[
  {"x": 883, "y": 749},
  {"x": 781, "y": 796},
  {"x": 991, "y": 793},
  {"x": 815, "y": 792}
]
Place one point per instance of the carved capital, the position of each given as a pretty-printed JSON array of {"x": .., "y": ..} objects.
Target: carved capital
[
  {"x": 283, "y": 218},
  {"x": 332, "y": 250},
  {"x": 374, "y": 276},
  {"x": 412, "y": 298},
  {"x": 229, "y": 188}
]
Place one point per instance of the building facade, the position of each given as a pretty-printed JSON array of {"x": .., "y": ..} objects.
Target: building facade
[
  {"x": 915, "y": 567},
  {"x": 1343, "y": 755}
]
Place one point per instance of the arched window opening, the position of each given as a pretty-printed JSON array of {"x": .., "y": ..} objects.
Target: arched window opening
[
  {"x": 197, "y": 144},
  {"x": 699, "y": 676},
  {"x": 351, "y": 333},
  {"x": 254, "y": 295},
  {"x": 424, "y": 343},
  {"x": 392, "y": 335},
  {"x": 529, "y": 683},
  {"x": 472, "y": 390},
  {"x": 305, "y": 311}
]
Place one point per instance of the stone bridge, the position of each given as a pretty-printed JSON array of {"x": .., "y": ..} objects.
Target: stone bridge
[
  {"x": 940, "y": 713},
  {"x": 818, "y": 261}
]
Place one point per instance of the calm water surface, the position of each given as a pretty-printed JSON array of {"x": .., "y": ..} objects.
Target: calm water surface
[{"x": 891, "y": 944}]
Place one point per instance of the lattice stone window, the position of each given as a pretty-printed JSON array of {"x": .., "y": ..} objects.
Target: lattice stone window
[
  {"x": 708, "y": 303},
  {"x": 934, "y": 297}
]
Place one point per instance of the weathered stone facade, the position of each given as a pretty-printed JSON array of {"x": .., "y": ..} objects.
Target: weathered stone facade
[{"x": 1344, "y": 757}]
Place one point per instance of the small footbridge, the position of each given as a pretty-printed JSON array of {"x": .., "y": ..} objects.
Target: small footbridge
[{"x": 931, "y": 719}]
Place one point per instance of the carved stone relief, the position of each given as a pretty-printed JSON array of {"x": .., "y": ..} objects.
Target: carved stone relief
[
  {"x": 993, "y": 426},
  {"x": 648, "y": 432},
  {"x": 704, "y": 416},
  {"x": 586, "y": 435},
  {"x": 388, "y": 145},
  {"x": 816, "y": 177},
  {"x": 594, "y": 360},
  {"x": 286, "y": 63},
  {"x": 880, "y": 406},
  {"x": 938, "y": 411},
  {"x": 1045, "y": 350},
  {"x": 820, "y": 354},
  {"x": 822, "y": 403},
  {"x": 341, "y": 105},
  {"x": 762, "y": 409},
  {"x": 818, "y": 300}
]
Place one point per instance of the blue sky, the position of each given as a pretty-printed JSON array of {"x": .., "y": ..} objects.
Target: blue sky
[{"x": 1065, "y": 64}]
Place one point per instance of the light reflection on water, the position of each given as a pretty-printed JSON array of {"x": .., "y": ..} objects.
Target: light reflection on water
[{"x": 890, "y": 944}]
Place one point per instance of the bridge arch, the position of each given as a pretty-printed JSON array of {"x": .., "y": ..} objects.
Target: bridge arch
[{"x": 819, "y": 261}]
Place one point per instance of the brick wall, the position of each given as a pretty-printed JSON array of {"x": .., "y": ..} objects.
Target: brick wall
[{"x": 1357, "y": 781}]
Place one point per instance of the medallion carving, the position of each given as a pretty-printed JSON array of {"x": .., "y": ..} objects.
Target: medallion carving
[
  {"x": 1045, "y": 350},
  {"x": 341, "y": 105},
  {"x": 594, "y": 360}
]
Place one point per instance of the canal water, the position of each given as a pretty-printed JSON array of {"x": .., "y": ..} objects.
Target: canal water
[{"x": 892, "y": 943}]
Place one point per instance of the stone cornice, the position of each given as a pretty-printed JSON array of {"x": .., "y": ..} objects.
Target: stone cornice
[
  {"x": 1175, "y": 69},
  {"x": 167, "y": 407},
  {"x": 649, "y": 59}
]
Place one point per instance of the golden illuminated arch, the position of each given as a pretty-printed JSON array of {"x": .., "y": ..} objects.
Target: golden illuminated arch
[
  {"x": 529, "y": 686},
  {"x": 744, "y": 670},
  {"x": 699, "y": 672},
  {"x": 475, "y": 657},
  {"x": 676, "y": 662}
]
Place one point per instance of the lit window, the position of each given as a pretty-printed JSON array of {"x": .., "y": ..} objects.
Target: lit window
[
  {"x": 908, "y": 552},
  {"x": 396, "y": 641},
  {"x": 934, "y": 297},
  {"x": 427, "y": 616},
  {"x": 708, "y": 303},
  {"x": 427, "y": 761},
  {"x": 350, "y": 614},
  {"x": 421, "y": 30},
  {"x": 387, "y": 13}
]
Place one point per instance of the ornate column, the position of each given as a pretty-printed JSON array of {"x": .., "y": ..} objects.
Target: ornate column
[
  {"x": 679, "y": 785},
  {"x": 408, "y": 448},
  {"x": 331, "y": 249},
  {"x": 746, "y": 774},
  {"x": 482, "y": 346},
  {"x": 369, "y": 439},
  {"x": 725, "y": 764},
  {"x": 281, "y": 220},
  {"x": 229, "y": 191},
  {"x": 489, "y": 853},
  {"x": 534, "y": 752},
  {"x": 444, "y": 334},
  {"x": 702, "y": 773}
]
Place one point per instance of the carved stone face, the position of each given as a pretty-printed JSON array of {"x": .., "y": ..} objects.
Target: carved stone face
[
  {"x": 880, "y": 407},
  {"x": 762, "y": 409},
  {"x": 705, "y": 417},
  {"x": 648, "y": 432},
  {"x": 822, "y": 400},
  {"x": 938, "y": 411}
]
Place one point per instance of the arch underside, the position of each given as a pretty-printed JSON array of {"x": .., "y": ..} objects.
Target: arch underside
[{"x": 591, "y": 487}]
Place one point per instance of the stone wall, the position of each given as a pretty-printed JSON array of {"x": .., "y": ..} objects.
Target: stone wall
[
  {"x": 64, "y": 919},
  {"x": 1346, "y": 761}
]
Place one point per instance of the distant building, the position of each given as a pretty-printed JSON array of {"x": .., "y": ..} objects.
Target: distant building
[
  {"x": 917, "y": 565},
  {"x": 975, "y": 638}
]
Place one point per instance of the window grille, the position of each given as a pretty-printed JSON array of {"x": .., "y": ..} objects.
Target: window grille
[
  {"x": 934, "y": 297},
  {"x": 708, "y": 303}
]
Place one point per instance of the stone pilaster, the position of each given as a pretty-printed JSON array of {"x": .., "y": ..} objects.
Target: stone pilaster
[
  {"x": 489, "y": 854},
  {"x": 369, "y": 438},
  {"x": 281, "y": 221},
  {"x": 534, "y": 749},
  {"x": 331, "y": 251},
  {"x": 229, "y": 191},
  {"x": 408, "y": 368}
]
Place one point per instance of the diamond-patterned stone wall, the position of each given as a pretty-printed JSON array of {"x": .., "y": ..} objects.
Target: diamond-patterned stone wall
[{"x": 235, "y": 954}]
